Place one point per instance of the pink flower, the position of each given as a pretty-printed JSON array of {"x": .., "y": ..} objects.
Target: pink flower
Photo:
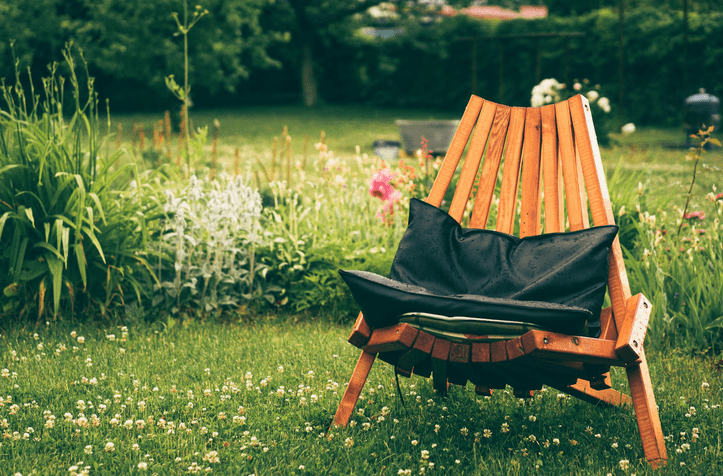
[
  {"x": 387, "y": 210},
  {"x": 695, "y": 215},
  {"x": 380, "y": 185}
]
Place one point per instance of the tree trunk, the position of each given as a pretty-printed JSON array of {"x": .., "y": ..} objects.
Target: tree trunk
[{"x": 308, "y": 77}]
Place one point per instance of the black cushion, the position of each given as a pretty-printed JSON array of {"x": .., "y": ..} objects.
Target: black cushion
[{"x": 557, "y": 280}]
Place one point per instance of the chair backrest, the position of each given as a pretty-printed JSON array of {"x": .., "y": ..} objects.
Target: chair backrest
[{"x": 550, "y": 161}]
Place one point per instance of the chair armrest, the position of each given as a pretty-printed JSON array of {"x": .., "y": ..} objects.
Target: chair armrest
[
  {"x": 360, "y": 333},
  {"x": 629, "y": 346}
]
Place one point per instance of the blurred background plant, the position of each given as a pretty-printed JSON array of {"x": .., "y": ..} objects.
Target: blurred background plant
[{"x": 550, "y": 91}]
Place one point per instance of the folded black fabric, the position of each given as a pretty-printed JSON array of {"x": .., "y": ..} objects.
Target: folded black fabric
[
  {"x": 383, "y": 300},
  {"x": 439, "y": 259}
]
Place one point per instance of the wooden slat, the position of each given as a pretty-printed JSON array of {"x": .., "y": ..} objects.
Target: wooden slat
[
  {"x": 391, "y": 339},
  {"x": 353, "y": 390},
  {"x": 569, "y": 166},
  {"x": 581, "y": 182},
  {"x": 585, "y": 392},
  {"x": 455, "y": 150},
  {"x": 530, "y": 195},
  {"x": 511, "y": 172},
  {"x": 498, "y": 351},
  {"x": 480, "y": 353},
  {"x": 440, "y": 358},
  {"x": 472, "y": 161},
  {"x": 629, "y": 345},
  {"x": 552, "y": 346},
  {"x": 490, "y": 168},
  {"x": 602, "y": 213},
  {"x": 550, "y": 171},
  {"x": 421, "y": 350},
  {"x": 646, "y": 412}
]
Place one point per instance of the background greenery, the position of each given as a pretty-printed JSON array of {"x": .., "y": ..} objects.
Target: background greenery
[{"x": 254, "y": 51}]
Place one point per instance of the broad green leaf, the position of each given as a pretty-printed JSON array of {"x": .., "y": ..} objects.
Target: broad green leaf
[
  {"x": 718, "y": 322},
  {"x": 82, "y": 264},
  {"x": 47, "y": 246},
  {"x": 95, "y": 242},
  {"x": 3, "y": 219},
  {"x": 29, "y": 214},
  {"x": 55, "y": 265}
]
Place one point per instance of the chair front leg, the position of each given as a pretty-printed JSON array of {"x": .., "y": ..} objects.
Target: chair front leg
[{"x": 354, "y": 389}]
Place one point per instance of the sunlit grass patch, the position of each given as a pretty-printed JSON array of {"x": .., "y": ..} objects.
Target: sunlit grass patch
[{"x": 259, "y": 399}]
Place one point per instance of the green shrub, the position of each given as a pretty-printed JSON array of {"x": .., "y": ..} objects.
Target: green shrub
[{"x": 73, "y": 224}]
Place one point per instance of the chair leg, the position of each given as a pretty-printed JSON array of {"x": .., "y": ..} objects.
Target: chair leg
[
  {"x": 646, "y": 412},
  {"x": 353, "y": 390}
]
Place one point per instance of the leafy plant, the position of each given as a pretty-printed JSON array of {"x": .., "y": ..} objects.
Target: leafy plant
[
  {"x": 73, "y": 224},
  {"x": 211, "y": 232}
]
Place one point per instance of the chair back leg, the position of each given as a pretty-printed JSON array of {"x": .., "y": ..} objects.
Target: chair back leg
[{"x": 646, "y": 412}]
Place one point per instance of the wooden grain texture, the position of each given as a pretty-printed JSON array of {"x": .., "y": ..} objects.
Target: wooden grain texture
[
  {"x": 553, "y": 346},
  {"x": 391, "y": 339},
  {"x": 646, "y": 412},
  {"x": 551, "y": 171},
  {"x": 583, "y": 191},
  {"x": 629, "y": 345},
  {"x": 472, "y": 161},
  {"x": 530, "y": 193},
  {"x": 421, "y": 349},
  {"x": 511, "y": 169},
  {"x": 360, "y": 333},
  {"x": 599, "y": 197},
  {"x": 455, "y": 150},
  {"x": 353, "y": 390},
  {"x": 490, "y": 168},
  {"x": 498, "y": 351},
  {"x": 568, "y": 161},
  {"x": 583, "y": 391},
  {"x": 440, "y": 363},
  {"x": 480, "y": 353}
]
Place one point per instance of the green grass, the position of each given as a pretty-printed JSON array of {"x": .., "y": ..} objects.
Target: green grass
[
  {"x": 288, "y": 377},
  {"x": 253, "y": 128}
]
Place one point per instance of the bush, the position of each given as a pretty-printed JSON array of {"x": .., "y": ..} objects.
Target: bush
[{"x": 74, "y": 224}]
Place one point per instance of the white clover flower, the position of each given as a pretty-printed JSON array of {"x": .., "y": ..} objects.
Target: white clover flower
[
  {"x": 109, "y": 447},
  {"x": 592, "y": 95},
  {"x": 81, "y": 339}
]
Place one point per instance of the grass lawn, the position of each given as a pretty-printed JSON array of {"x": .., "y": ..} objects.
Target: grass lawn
[{"x": 258, "y": 398}]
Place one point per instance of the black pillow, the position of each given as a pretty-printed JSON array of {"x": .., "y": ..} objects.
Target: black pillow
[{"x": 529, "y": 274}]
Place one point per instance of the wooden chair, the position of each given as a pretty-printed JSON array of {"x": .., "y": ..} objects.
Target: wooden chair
[{"x": 554, "y": 151}]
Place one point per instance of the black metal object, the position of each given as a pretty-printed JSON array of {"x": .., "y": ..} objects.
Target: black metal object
[{"x": 701, "y": 110}]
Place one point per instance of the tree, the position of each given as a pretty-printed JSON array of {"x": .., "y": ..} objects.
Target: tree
[
  {"x": 312, "y": 19},
  {"x": 130, "y": 44}
]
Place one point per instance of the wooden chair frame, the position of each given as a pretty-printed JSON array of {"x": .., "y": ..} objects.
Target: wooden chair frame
[{"x": 550, "y": 157}]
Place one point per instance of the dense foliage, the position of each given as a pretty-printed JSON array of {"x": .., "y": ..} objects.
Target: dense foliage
[{"x": 251, "y": 51}]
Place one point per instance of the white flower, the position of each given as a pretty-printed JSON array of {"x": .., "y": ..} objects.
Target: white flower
[
  {"x": 628, "y": 128},
  {"x": 592, "y": 95},
  {"x": 604, "y": 104},
  {"x": 109, "y": 447},
  {"x": 143, "y": 466}
]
